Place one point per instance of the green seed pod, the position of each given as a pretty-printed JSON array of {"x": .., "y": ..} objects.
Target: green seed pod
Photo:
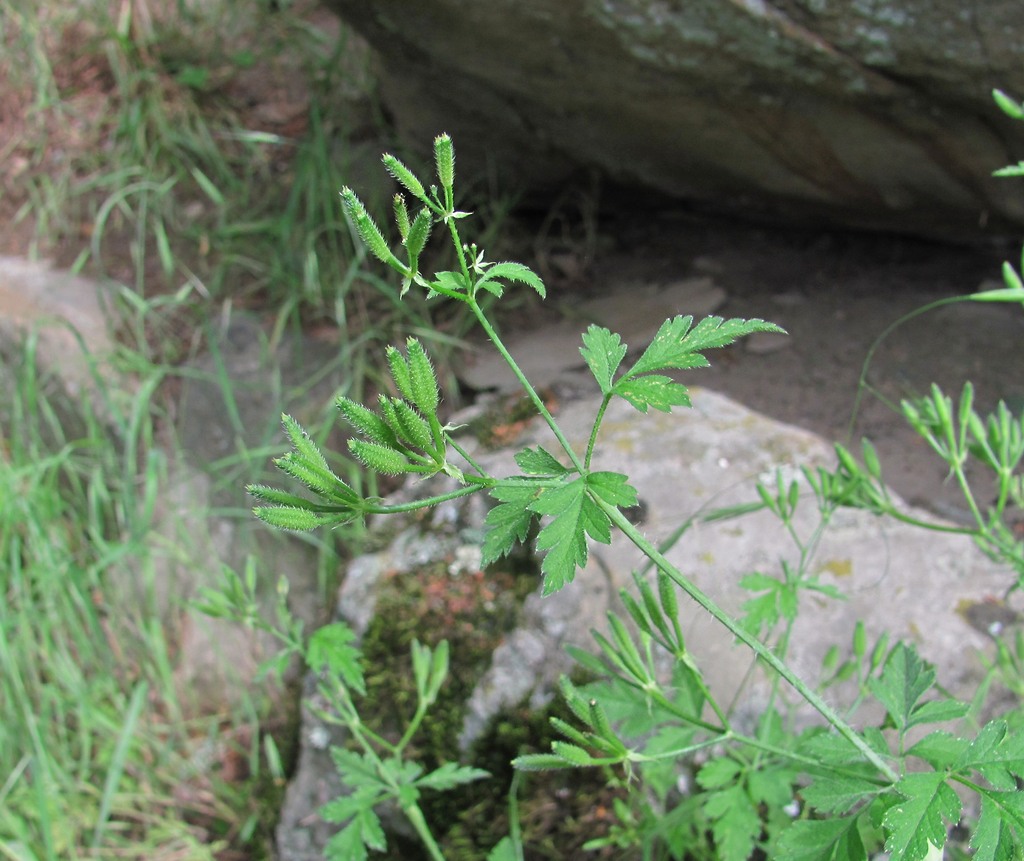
[
  {"x": 571, "y": 753},
  {"x": 599, "y": 722},
  {"x": 415, "y": 429},
  {"x": 405, "y": 176},
  {"x": 365, "y": 226},
  {"x": 380, "y": 458},
  {"x": 401, "y": 216},
  {"x": 860, "y": 640},
  {"x": 418, "y": 233},
  {"x": 295, "y": 519},
  {"x": 319, "y": 480},
  {"x": 387, "y": 410},
  {"x": 667, "y": 593},
  {"x": 367, "y": 422},
  {"x": 400, "y": 373},
  {"x": 871, "y": 462},
  {"x": 444, "y": 156},
  {"x": 422, "y": 380},
  {"x": 303, "y": 444}
]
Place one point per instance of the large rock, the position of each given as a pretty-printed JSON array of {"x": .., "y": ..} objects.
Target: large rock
[
  {"x": 867, "y": 113},
  {"x": 931, "y": 589}
]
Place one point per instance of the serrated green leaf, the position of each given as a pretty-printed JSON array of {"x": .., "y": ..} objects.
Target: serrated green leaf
[
  {"x": 357, "y": 771},
  {"x": 351, "y": 843},
  {"x": 904, "y": 680},
  {"x": 344, "y": 807},
  {"x": 939, "y": 749},
  {"x": 652, "y": 390},
  {"x": 603, "y": 352},
  {"x": 838, "y": 794},
  {"x": 676, "y": 346},
  {"x": 612, "y": 488},
  {"x": 919, "y": 820},
  {"x": 573, "y": 515},
  {"x": 507, "y": 523},
  {"x": 331, "y": 650},
  {"x": 821, "y": 840},
  {"x": 539, "y": 461},
  {"x": 515, "y": 272},
  {"x": 736, "y": 824},
  {"x": 1000, "y": 828},
  {"x": 449, "y": 775},
  {"x": 717, "y": 773},
  {"x": 937, "y": 711}
]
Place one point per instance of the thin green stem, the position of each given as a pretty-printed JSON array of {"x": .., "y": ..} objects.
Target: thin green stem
[
  {"x": 419, "y": 823},
  {"x": 477, "y": 483},
  {"x": 527, "y": 385},
  {"x": 744, "y": 636},
  {"x": 594, "y": 431}
]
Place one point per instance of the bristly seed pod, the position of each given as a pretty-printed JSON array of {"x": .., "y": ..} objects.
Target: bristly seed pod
[
  {"x": 418, "y": 233},
  {"x": 405, "y": 176},
  {"x": 444, "y": 156},
  {"x": 399, "y": 373},
  {"x": 365, "y": 226},
  {"x": 367, "y": 422},
  {"x": 422, "y": 379},
  {"x": 415, "y": 430},
  {"x": 401, "y": 216},
  {"x": 380, "y": 458}
]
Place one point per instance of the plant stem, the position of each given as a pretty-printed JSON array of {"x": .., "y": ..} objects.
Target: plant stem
[
  {"x": 526, "y": 384},
  {"x": 761, "y": 650},
  {"x": 415, "y": 816}
]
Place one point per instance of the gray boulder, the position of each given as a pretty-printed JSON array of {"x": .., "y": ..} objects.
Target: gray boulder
[{"x": 864, "y": 113}]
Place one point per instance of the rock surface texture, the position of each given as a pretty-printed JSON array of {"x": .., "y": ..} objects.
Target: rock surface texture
[{"x": 866, "y": 113}]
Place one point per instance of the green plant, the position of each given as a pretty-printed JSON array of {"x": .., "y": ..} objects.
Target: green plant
[
  {"x": 830, "y": 792},
  {"x": 94, "y": 752}
]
